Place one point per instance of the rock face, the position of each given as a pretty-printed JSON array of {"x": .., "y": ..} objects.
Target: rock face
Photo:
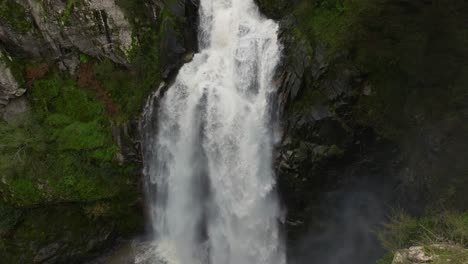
[
  {"x": 74, "y": 76},
  {"x": 372, "y": 103},
  {"x": 9, "y": 87},
  {"x": 59, "y": 29},
  {"x": 359, "y": 119}
]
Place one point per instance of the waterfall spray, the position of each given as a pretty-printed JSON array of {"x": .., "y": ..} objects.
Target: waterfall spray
[{"x": 209, "y": 158}]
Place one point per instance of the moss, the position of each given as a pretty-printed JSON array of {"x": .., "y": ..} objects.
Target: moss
[
  {"x": 9, "y": 218},
  {"x": 84, "y": 59},
  {"x": 130, "y": 89},
  {"x": 58, "y": 120},
  {"x": 64, "y": 152},
  {"x": 16, "y": 66},
  {"x": 386, "y": 259},
  {"x": 15, "y": 15},
  {"x": 82, "y": 136},
  {"x": 64, "y": 17},
  {"x": 332, "y": 22},
  {"x": 42, "y": 228}
]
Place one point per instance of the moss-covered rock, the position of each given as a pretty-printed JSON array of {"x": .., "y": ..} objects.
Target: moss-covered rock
[
  {"x": 380, "y": 80},
  {"x": 15, "y": 16},
  {"x": 63, "y": 233},
  {"x": 69, "y": 162}
]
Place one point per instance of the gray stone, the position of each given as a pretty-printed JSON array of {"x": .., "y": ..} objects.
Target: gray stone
[
  {"x": 9, "y": 87},
  {"x": 95, "y": 27}
]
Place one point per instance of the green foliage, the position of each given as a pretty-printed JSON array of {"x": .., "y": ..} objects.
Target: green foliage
[
  {"x": 15, "y": 144},
  {"x": 386, "y": 259},
  {"x": 64, "y": 152},
  {"x": 403, "y": 231},
  {"x": 130, "y": 88},
  {"x": 67, "y": 12},
  {"x": 69, "y": 100},
  {"x": 84, "y": 59},
  {"x": 15, "y": 15},
  {"x": 82, "y": 136},
  {"x": 58, "y": 120},
  {"x": 454, "y": 254},
  {"x": 332, "y": 22},
  {"x": 127, "y": 90}
]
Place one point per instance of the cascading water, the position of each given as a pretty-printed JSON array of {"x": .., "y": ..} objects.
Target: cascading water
[{"x": 209, "y": 158}]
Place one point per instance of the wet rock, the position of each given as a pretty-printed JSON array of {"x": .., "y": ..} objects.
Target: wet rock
[
  {"x": 16, "y": 111},
  {"x": 9, "y": 87},
  {"x": 179, "y": 36},
  {"x": 95, "y": 27},
  {"x": 412, "y": 255},
  {"x": 436, "y": 253}
]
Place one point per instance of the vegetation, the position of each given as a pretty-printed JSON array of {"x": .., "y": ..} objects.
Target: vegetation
[
  {"x": 408, "y": 87},
  {"x": 63, "y": 151},
  {"x": 15, "y": 15},
  {"x": 449, "y": 228},
  {"x": 404, "y": 231},
  {"x": 64, "y": 17},
  {"x": 63, "y": 178},
  {"x": 336, "y": 23}
]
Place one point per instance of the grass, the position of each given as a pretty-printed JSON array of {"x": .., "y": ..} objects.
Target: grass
[
  {"x": 448, "y": 228},
  {"x": 453, "y": 255}
]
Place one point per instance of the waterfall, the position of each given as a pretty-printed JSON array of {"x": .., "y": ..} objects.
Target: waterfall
[{"x": 208, "y": 158}]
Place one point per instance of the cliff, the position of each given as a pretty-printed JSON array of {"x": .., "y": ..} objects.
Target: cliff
[
  {"x": 74, "y": 76},
  {"x": 374, "y": 111},
  {"x": 373, "y": 105}
]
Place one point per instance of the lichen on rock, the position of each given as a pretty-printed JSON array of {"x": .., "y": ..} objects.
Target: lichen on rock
[{"x": 9, "y": 88}]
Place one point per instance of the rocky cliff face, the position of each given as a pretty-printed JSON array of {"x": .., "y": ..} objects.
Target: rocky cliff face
[
  {"x": 57, "y": 28},
  {"x": 373, "y": 105},
  {"x": 373, "y": 100},
  {"x": 73, "y": 78}
]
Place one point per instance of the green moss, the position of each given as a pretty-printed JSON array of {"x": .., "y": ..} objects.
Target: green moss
[
  {"x": 25, "y": 191},
  {"x": 16, "y": 66},
  {"x": 82, "y": 136},
  {"x": 64, "y": 17},
  {"x": 78, "y": 181},
  {"x": 64, "y": 153},
  {"x": 130, "y": 89},
  {"x": 386, "y": 259},
  {"x": 9, "y": 218},
  {"x": 332, "y": 22},
  {"x": 58, "y": 120},
  {"x": 84, "y": 59},
  {"x": 15, "y": 15}
]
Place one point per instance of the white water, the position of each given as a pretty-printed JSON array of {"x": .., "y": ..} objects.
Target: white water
[{"x": 210, "y": 160}]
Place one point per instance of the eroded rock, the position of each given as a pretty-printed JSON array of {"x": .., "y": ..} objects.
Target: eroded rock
[
  {"x": 95, "y": 27},
  {"x": 9, "y": 87}
]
